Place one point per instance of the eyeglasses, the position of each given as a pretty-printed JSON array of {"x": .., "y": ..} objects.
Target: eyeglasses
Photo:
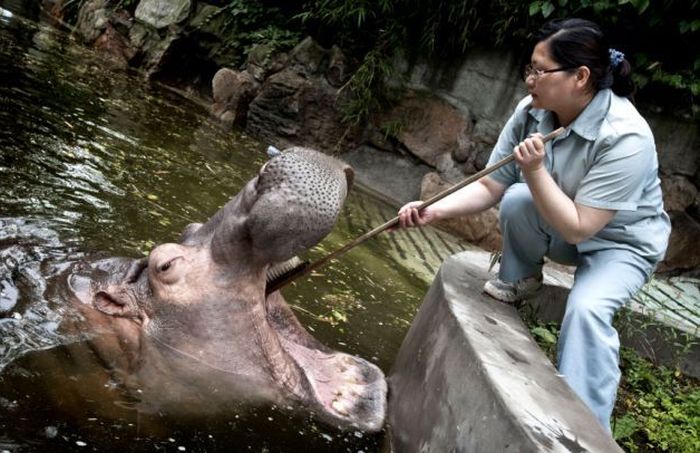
[{"x": 537, "y": 73}]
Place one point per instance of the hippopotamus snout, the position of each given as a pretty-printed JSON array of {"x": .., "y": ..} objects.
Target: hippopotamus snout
[
  {"x": 291, "y": 205},
  {"x": 300, "y": 194}
]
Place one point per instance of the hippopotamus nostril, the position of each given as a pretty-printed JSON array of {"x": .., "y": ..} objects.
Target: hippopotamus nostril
[{"x": 108, "y": 304}]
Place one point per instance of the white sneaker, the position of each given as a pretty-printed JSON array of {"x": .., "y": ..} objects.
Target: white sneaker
[{"x": 513, "y": 292}]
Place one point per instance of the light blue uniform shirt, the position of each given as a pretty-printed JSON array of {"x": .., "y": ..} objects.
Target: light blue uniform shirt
[{"x": 605, "y": 159}]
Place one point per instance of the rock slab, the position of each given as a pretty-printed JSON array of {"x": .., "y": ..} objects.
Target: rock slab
[{"x": 469, "y": 378}]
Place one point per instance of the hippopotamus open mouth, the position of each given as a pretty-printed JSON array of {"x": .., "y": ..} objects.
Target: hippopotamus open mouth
[{"x": 193, "y": 319}]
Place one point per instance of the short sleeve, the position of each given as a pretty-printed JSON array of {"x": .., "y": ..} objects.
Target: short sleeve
[
  {"x": 618, "y": 174},
  {"x": 511, "y": 135}
]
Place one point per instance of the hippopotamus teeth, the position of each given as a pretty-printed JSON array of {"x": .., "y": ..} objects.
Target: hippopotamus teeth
[
  {"x": 340, "y": 407},
  {"x": 277, "y": 271}
]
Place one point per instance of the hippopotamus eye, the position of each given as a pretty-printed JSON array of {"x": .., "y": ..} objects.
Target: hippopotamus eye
[{"x": 167, "y": 265}]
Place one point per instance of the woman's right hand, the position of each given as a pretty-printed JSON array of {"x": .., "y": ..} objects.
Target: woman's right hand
[{"x": 410, "y": 216}]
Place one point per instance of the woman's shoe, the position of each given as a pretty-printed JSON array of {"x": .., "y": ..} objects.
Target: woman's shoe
[{"x": 513, "y": 292}]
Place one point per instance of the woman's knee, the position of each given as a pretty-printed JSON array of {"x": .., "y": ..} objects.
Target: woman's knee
[
  {"x": 589, "y": 306},
  {"x": 517, "y": 203},
  {"x": 604, "y": 282}
]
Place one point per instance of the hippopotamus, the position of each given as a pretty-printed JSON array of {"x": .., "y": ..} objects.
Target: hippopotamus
[{"x": 191, "y": 326}]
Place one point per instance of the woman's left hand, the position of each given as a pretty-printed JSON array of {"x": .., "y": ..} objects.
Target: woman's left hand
[{"x": 529, "y": 154}]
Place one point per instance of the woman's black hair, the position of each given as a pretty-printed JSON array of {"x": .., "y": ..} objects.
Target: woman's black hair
[{"x": 580, "y": 42}]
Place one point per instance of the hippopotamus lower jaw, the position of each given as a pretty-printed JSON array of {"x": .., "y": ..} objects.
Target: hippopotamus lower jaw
[
  {"x": 345, "y": 390},
  {"x": 271, "y": 348},
  {"x": 251, "y": 350}
]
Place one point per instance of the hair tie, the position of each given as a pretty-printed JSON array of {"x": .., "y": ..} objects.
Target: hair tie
[{"x": 616, "y": 57}]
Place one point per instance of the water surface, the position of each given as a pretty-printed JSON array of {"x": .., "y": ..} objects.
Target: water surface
[{"x": 95, "y": 162}]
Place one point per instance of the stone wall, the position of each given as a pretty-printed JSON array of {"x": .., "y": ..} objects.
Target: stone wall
[
  {"x": 449, "y": 116},
  {"x": 178, "y": 42}
]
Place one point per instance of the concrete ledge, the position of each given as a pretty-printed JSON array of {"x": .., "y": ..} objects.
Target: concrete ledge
[{"x": 469, "y": 378}]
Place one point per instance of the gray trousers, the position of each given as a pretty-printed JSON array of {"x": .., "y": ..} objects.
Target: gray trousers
[{"x": 588, "y": 348}]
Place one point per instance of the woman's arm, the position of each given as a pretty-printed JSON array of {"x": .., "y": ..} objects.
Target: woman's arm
[
  {"x": 476, "y": 197},
  {"x": 574, "y": 222}
]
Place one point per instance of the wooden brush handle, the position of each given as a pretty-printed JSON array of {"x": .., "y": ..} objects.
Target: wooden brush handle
[
  {"x": 275, "y": 285},
  {"x": 481, "y": 174}
]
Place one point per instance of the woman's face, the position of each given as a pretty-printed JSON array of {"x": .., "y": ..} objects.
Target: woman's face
[{"x": 550, "y": 90}]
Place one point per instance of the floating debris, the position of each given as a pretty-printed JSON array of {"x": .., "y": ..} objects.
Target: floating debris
[{"x": 50, "y": 432}]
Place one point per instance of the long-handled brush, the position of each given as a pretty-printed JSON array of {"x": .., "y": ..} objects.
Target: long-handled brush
[{"x": 284, "y": 273}]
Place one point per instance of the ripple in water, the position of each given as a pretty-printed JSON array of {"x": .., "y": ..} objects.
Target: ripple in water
[{"x": 29, "y": 322}]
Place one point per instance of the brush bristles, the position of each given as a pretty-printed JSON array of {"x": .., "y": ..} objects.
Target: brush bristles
[{"x": 277, "y": 270}]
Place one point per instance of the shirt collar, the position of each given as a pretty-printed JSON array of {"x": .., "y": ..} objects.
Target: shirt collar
[{"x": 587, "y": 124}]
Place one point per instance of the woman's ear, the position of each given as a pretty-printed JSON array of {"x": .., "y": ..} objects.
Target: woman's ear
[{"x": 583, "y": 76}]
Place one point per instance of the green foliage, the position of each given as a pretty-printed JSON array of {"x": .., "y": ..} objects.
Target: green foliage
[
  {"x": 392, "y": 128},
  {"x": 546, "y": 337},
  {"x": 348, "y": 14},
  {"x": 275, "y": 38},
  {"x": 247, "y": 23},
  {"x": 660, "y": 38},
  {"x": 369, "y": 79},
  {"x": 657, "y": 408}
]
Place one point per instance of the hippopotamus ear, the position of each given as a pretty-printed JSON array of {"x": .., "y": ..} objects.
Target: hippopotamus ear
[{"x": 189, "y": 232}]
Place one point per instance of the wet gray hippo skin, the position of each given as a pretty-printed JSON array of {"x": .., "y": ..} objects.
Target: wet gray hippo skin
[{"x": 191, "y": 326}]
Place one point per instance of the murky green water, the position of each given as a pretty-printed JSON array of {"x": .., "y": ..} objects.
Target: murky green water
[{"x": 93, "y": 162}]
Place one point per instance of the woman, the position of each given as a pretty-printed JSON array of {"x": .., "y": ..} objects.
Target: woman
[{"x": 589, "y": 198}]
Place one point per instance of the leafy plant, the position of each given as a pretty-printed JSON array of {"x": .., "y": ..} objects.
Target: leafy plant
[
  {"x": 392, "y": 127},
  {"x": 650, "y": 33},
  {"x": 546, "y": 337},
  {"x": 369, "y": 79},
  {"x": 247, "y": 23},
  {"x": 657, "y": 408}
]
